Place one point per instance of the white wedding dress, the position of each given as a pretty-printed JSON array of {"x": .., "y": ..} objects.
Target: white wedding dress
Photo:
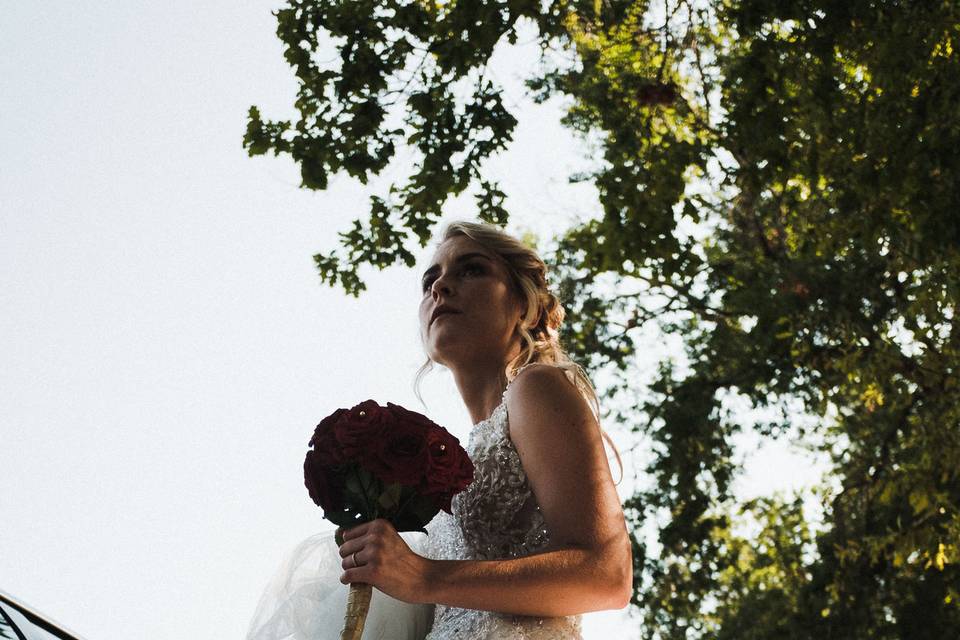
[{"x": 496, "y": 517}]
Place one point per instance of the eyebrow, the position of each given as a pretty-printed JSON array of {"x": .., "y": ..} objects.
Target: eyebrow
[{"x": 460, "y": 258}]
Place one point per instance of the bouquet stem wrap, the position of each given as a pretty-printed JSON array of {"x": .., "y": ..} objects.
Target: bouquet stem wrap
[{"x": 358, "y": 603}]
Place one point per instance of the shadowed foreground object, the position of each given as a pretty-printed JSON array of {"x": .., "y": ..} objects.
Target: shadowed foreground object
[{"x": 21, "y": 622}]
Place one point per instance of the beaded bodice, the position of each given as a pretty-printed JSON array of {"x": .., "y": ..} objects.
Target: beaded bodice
[{"x": 496, "y": 517}]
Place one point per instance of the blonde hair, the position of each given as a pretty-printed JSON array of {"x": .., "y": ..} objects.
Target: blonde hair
[{"x": 539, "y": 339}]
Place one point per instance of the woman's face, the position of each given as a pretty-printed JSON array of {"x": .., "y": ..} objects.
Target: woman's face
[{"x": 470, "y": 280}]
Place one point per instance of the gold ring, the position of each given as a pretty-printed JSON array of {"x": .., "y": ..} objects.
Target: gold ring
[{"x": 356, "y": 563}]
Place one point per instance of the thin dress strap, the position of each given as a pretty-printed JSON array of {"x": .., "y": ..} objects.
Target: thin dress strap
[{"x": 529, "y": 364}]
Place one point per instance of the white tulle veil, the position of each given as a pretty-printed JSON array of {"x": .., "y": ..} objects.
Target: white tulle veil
[{"x": 306, "y": 601}]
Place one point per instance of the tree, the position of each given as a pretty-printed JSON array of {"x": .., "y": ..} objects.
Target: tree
[{"x": 813, "y": 144}]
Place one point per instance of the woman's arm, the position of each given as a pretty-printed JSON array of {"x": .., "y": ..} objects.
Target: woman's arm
[
  {"x": 587, "y": 565},
  {"x": 562, "y": 582}
]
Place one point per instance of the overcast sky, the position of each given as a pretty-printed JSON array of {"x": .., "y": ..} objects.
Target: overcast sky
[{"x": 167, "y": 345}]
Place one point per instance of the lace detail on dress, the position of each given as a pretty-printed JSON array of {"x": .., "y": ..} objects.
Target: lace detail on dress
[{"x": 496, "y": 517}]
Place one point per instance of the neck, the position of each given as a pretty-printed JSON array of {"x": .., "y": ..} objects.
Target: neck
[
  {"x": 481, "y": 388},
  {"x": 481, "y": 384}
]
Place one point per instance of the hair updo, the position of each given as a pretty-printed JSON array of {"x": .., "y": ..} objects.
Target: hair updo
[{"x": 539, "y": 338}]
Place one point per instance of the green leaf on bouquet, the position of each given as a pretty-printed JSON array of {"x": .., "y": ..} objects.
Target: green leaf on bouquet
[
  {"x": 354, "y": 488},
  {"x": 390, "y": 497},
  {"x": 365, "y": 491},
  {"x": 415, "y": 513}
]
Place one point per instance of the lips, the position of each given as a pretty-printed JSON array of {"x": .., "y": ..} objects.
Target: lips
[{"x": 441, "y": 311}]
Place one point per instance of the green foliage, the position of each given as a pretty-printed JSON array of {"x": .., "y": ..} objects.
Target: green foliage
[
  {"x": 405, "y": 60},
  {"x": 367, "y": 498},
  {"x": 815, "y": 145}
]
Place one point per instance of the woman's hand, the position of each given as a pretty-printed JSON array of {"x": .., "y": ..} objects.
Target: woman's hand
[{"x": 385, "y": 561}]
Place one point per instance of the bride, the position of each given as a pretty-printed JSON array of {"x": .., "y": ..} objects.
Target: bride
[{"x": 539, "y": 537}]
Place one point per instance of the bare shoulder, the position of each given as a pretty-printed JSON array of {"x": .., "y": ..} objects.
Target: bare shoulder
[
  {"x": 539, "y": 378},
  {"x": 542, "y": 396}
]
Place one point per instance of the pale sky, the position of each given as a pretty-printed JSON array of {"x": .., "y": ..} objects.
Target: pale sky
[{"x": 167, "y": 344}]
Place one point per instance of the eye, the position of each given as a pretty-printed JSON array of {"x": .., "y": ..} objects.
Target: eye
[
  {"x": 426, "y": 283},
  {"x": 470, "y": 268}
]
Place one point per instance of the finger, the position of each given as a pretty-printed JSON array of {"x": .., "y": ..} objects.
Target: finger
[
  {"x": 356, "y": 531},
  {"x": 352, "y": 561},
  {"x": 349, "y": 547},
  {"x": 352, "y": 576},
  {"x": 357, "y": 543}
]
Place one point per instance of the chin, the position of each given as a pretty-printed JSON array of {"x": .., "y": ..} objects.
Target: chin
[{"x": 449, "y": 351}]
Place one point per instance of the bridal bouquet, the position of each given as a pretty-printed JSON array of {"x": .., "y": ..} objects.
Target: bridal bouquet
[{"x": 372, "y": 462}]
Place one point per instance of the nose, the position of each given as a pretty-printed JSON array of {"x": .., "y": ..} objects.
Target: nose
[{"x": 439, "y": 286}]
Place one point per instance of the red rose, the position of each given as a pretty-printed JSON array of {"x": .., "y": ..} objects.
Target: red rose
[
  {"x": 450, "y": 469},
  {"x": 357, "y": 428},
  {"x": 400, "y": 454},
  {"x": 405, "y": 415},
  {"x": 320, "y": 482},
  {"x": 324, "y": 443}
]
